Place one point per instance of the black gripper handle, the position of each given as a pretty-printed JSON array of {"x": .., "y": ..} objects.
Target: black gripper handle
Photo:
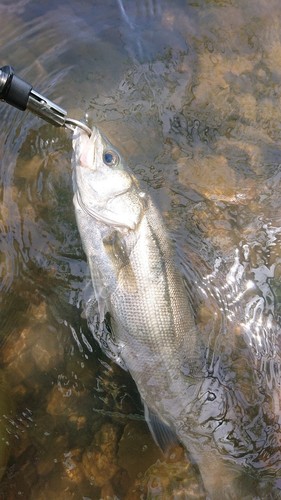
[{"x": 15, "y": 91}]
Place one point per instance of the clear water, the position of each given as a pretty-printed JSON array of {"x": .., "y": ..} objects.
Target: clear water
[{"x": 190, "y": 93}]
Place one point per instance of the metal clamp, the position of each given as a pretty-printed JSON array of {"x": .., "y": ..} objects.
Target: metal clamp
[{"x": 21, "y": 95}]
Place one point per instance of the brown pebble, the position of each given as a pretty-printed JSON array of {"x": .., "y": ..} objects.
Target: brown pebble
[{"x": 99, "y": 460}]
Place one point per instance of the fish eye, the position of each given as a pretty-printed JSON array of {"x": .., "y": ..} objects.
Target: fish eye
[{"x": 110, "y": 158}]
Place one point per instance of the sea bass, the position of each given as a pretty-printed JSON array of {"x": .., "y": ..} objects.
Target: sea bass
[
  {"x": 152, "y": 334},
  {"x": 134, "y": 275}
]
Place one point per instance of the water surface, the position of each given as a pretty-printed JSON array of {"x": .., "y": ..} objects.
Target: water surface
[{"x": 190, "y": 93}]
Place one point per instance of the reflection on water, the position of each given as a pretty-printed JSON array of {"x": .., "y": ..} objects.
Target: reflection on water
[{"x": 190, "y": 93}]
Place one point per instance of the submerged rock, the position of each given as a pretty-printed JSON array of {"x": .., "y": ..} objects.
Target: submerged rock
[
  {"x": 32, "y": 350},
  {"x": 213, "y": 178},
  {"x": 100, "y": 460},
  {"x": 165, "y": 480},
  {"x": 137, "y": 450}
]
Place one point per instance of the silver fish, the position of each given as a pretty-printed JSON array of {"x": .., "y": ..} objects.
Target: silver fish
[
  {"x": 132, "y": 266},
  {"x": 153, "y": 333}
]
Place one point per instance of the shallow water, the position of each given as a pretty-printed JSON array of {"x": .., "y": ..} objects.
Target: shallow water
[{"x": 190, "y": 93}]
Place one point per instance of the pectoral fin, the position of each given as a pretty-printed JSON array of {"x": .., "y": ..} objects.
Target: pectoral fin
[
  {"x": 101, "y": 289},
  {"x": 120, "y": 261},
  {"x": 162, "y": 434}
]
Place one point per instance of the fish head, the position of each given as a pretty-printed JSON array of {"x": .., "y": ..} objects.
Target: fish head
[{"x": 103, "y": 186}]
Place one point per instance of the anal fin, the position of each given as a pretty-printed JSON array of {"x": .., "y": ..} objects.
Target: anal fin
[{"x": 162, "y": 434}]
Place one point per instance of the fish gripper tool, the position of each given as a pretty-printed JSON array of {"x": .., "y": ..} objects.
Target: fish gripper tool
[{"x": 21, "y": 95}]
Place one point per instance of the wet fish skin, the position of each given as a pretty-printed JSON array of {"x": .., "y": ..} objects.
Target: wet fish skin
[
  {"x": 133, "y": 271},
  {"x": 153, "y": 333}
]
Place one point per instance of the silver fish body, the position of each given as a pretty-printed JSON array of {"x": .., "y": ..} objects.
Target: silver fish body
[
  {"x": 134, "y": 276},
  {"x": 153, "y": 334}
]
